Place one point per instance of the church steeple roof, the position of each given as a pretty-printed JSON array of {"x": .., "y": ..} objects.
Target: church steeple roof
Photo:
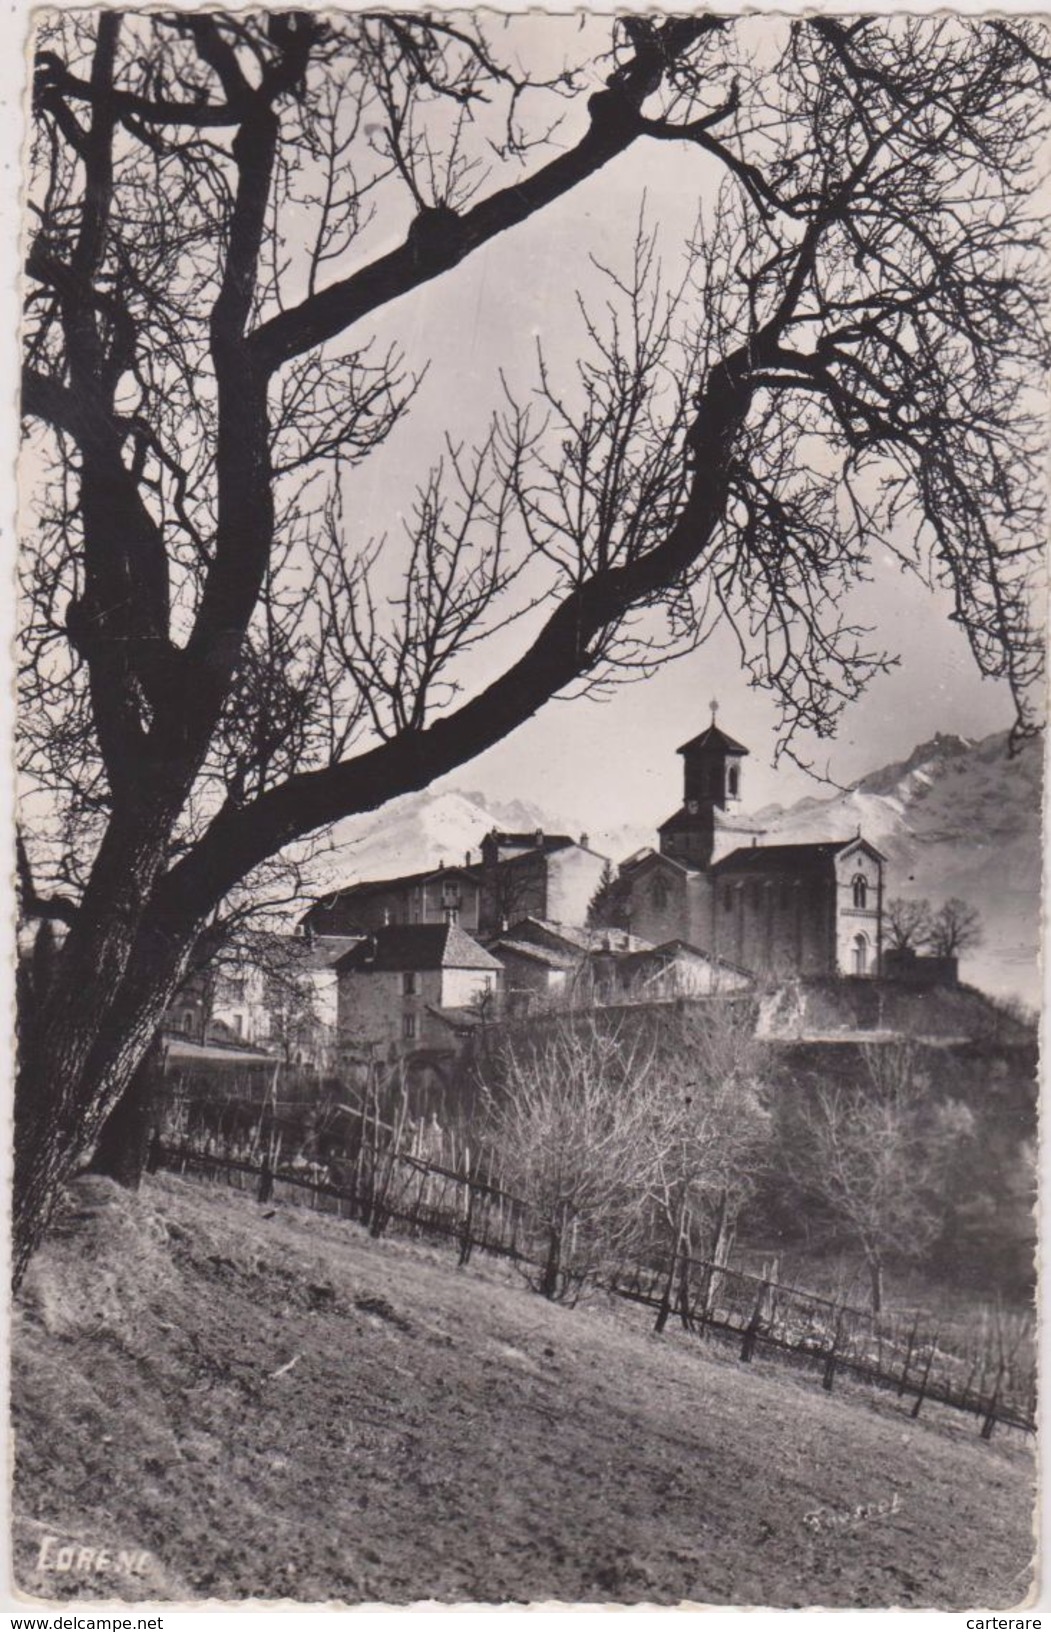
[{"x": 711, "y": 739}]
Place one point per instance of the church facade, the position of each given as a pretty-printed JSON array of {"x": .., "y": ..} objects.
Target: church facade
[{"x": 778, "y": 910}]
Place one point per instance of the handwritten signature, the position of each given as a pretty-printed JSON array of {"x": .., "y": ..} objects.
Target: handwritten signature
[{"x": 823, "y": 1519}]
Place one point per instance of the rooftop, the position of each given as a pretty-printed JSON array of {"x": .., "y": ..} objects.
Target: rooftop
[
  {"x": 215, "y": 1052},
  {"x": 549, "y": 956},
  {"x": 714, "y": 741},
  {"x": 674, "y": 950},
  {"x": 371, "y": 886},
  {"x": 572, "y": 937},
  {"x": 397, "y": 948},
  {"x": 537, "y": 840},
  {"x": 323, "y": 950},
  {"x": 759, "y": 858}
]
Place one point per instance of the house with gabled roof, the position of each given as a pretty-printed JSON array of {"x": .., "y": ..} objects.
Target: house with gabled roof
[
  {"x": 536, "y": 973},
  {"x": 548, "y": 875},
  {"x": 539, "y": 875},
  {"x": 406, "y": 988},
  {"x": 547, "y": 962},
  {"x": 438, "y": 895},
  {"x": 676, "y": 969}
]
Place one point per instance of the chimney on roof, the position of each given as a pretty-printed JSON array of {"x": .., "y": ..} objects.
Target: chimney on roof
[
  {"x": 538, "y": 837},
  {"x": 467, "y": 858},
  {"x": 441, "y": 865},
  {"x": 584, "y": 841},
  {"x": 755, "y": 840}
]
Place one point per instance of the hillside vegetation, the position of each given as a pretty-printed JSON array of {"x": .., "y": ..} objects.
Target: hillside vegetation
[{"x": 268, "y": 1403}]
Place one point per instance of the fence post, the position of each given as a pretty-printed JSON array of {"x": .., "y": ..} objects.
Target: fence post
[
  {"x": 552, "y": 1267},
  {"x": 266, "y": 1181},
  {"x": 156, "y": 1152},
  {"x": 908, "y": 1357},
  {"x": 921, "y": 1396},
  {"x": 685, "y": 1312},
  {"x": 990, "y": 1421},
  {"x": 829, "y": 1375},
  {"x": 664, "y": 1308},
  {"x": 466, "y": 1239},
  {"x": 751, "y": 1331}
]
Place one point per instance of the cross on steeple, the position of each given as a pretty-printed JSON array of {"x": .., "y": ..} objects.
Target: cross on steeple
[{"x": 714, "y": 706}]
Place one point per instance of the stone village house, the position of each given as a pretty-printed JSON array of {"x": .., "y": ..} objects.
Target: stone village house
[
  {"x": 411, "y": 988},
  {"x": 542, "y": 875}
]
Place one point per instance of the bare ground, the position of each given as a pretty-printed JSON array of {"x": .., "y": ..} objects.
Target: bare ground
[{"x": 269, "y": 1404}]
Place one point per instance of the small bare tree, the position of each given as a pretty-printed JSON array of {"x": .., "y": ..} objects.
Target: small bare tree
[
  {"x": 954, "y": 928},
  {"x": 707, "y": 1132},
  {"x": 876, "y": 1156},
  {"x": 907, "y": 924},
  {"x": 570, "y": 1123}
]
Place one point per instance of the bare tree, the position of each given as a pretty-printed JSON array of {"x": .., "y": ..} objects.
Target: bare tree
[
  {"x": 569, "y": 1122},
  {"x": 907, "y": 924},
  {"x": 707, "y": 1132},
  {"x": 954, "y": 928},
  {"x": 877, "y": 1156},
  {"x": 214, "y": 663}
]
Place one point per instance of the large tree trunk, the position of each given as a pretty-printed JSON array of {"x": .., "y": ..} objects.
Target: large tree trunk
[
  {"x": 117, "y": 974},
  {"x": 124, "y": 1142}
]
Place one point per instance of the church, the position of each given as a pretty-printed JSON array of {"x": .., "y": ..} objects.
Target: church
[{"x": 777, "y": 910}]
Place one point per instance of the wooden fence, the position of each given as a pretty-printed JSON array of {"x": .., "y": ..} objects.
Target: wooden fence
[{"x": 995, "y": 1382}]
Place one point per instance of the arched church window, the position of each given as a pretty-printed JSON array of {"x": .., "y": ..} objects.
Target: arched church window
[
  {"x": 733, "y": 778},
  {"x": 861, "y": 954},
  {"x": 861, "y": 891}
]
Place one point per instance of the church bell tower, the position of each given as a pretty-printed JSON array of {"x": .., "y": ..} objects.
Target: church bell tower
[{"x": 712, "y": 776}]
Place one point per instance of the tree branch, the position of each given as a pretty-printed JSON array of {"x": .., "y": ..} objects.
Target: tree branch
[
  {"x": 567, "y": 646},
  {"x": 59, "y": 908},
  {"x": 440, "y": 239}
]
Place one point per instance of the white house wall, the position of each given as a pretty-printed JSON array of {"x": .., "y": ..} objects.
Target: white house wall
[
  {"x": 462, "y": 987},
  {"x": 573, "y": 876}
]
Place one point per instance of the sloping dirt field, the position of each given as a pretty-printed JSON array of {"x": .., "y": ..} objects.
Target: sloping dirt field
[{"x": 213, "y": 1400}]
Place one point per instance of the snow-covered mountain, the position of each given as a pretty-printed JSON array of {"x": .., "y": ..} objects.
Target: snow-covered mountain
[
  {"x": 423, "y": 829},
  {"x": 955, "y": 818}
]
